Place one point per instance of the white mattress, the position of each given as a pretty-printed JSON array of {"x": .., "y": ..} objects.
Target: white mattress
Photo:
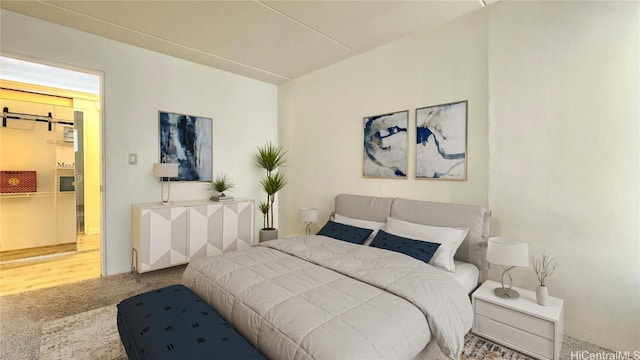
[{"x": 466, "y": 274}]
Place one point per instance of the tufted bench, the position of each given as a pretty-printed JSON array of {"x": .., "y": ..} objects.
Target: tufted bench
[{"x": 174, "y": 323}]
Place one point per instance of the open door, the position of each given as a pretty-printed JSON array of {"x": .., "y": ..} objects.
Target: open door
[{"x": 51, "y": 135}]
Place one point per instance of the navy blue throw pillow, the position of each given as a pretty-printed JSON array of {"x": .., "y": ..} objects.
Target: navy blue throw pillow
[
  {"x": 345, "y": 232},
  {"x": 421, "y": 250}
]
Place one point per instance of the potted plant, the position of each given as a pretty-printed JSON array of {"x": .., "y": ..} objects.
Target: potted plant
[
  {"x": 219, "y": 185},
  {"x": 270, "y": 157},
  {"x": 544, "y": 267},
  {"x": 264, "y": 209}
]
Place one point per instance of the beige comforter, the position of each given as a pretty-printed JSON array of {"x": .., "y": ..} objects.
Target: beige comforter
[{"x": 314, "y": 297}]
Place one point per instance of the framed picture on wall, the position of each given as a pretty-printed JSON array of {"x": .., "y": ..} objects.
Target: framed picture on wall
[
  {"x": 67, "y": 134},
  {"x": 186, "y": 140},
  {"x": 441, "y": 141},
  {"x": 67, "y": 183},
  {"x": 385, "y": 145}
]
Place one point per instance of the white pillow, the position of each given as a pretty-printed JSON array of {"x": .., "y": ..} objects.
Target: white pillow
[
  {"x": 373, "y": 225},
  {"x": 448, "y": 238}
]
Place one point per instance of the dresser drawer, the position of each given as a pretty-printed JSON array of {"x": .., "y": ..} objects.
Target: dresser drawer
[
  {"x": 516, "y": 319},
  {"x": 513, "y": 337}
]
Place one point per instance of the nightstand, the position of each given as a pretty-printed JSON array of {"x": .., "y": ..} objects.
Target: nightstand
[{"x": 521, "y": 323}]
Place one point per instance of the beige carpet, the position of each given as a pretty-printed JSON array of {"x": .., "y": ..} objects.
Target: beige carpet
[
  {"x": 93, "y": 335},
  {"x": 22, "y": 316},
  {"x": 88, "y": 335}
]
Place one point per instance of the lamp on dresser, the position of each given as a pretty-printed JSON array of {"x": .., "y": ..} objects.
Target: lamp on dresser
[
  {"x": 308, "y": 216},
  {"x": 508, "y": 254},
  {"x": 165, "y": 170}
]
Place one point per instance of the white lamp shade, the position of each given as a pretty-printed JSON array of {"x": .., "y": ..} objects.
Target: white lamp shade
[
  {"x": 165, "y": 170},
  {"x": 308, "y": 215},
  {"x": 507, "y": 252}
]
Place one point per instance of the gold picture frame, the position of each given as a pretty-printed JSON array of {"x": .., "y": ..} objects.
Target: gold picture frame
[
  {"x": 441, "y": 141},
  {"x": 385, "y": 145}
]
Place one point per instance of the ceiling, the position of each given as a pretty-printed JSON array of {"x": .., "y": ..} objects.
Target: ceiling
[{"x": 271, "y": 41}]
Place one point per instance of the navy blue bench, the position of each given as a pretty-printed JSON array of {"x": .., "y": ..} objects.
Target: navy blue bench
[{"x": 174, "y": 323}]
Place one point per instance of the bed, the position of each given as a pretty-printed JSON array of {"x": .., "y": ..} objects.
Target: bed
[{"x": 324, "y": 296}]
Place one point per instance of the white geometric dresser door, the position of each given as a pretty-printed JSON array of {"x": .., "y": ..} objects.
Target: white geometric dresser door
[
  {"x": 230, "y": 227},
  {"x": 205, "y": 230},
  {"x": 166, "y": 242},
  {"x": 238, "y": 225},
  {"x": 245, "y": 224}
]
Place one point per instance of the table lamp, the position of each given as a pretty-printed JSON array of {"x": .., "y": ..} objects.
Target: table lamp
[
  {"x": 165, "y": 170},
  {"x": 308, "y": 216},
  {"x": 508, "y": 254}
]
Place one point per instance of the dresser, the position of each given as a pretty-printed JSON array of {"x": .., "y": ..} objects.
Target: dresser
[
  {"x": 167, "y": 235},
  {"x": 521, "y": 323}
]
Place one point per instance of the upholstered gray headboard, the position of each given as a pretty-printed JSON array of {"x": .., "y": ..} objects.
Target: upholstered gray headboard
[
  {"x": 473, "y": 217},
  {"x": 370, "y": 208}
]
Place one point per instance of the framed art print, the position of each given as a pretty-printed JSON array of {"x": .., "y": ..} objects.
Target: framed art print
[
  {"x": 67, "y": 183},
  {"x": 186, "y": 140},
  {"x": 68, "y": 134},
  {"x": 385, "y": 145},
  {"x": 441, "y": 141}
]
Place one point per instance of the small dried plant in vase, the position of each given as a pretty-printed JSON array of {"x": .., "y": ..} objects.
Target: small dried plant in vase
[
  {"x": 544, "y": 266},
  {"x": 219, "y": 185}
]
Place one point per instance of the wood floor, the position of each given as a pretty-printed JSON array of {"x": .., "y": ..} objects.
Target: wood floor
[
  {"x": 12, "y": 255},
  {"x": 52, "y": 270}
]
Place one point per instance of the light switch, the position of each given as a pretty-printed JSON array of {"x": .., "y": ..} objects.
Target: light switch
[{"x": 133, "y": 159}]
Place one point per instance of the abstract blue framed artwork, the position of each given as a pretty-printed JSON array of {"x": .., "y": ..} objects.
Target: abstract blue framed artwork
[
  {"x": 385, "y": 145},
  {"x": 186, "y": 140},
  {"x": 441, "y": 141}
]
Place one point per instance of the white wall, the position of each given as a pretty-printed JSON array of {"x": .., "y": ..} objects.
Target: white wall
[
  {"x": 321, "y": 118},
  {"x": 137, "y": 84},
  {"x": 563, "y": 139},
  {"x": 553, "y": 141}
]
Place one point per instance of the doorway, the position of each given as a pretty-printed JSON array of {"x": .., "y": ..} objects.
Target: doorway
[{"x": 50, "y": 175}]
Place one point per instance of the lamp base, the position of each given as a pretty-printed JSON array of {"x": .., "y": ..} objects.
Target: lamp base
[
  {"x": 506, "y": 293},
  {"x": 165, "y": 203}
]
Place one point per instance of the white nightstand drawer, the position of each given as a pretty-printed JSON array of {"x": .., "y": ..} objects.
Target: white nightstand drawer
[
  {"x": 513, "y": 336},
  {"x": 516, "y": 319},
  {"x": 519, "y": 323}
]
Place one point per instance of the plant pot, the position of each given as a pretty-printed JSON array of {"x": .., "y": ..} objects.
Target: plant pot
[
  {"x": 542, "y": 294},
  {"x": 267, "y": 234}
]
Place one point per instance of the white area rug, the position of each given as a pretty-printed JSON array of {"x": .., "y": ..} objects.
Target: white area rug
[
  {"x": 93, "y": 335},
  {"x": 89, "y": 335}
]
